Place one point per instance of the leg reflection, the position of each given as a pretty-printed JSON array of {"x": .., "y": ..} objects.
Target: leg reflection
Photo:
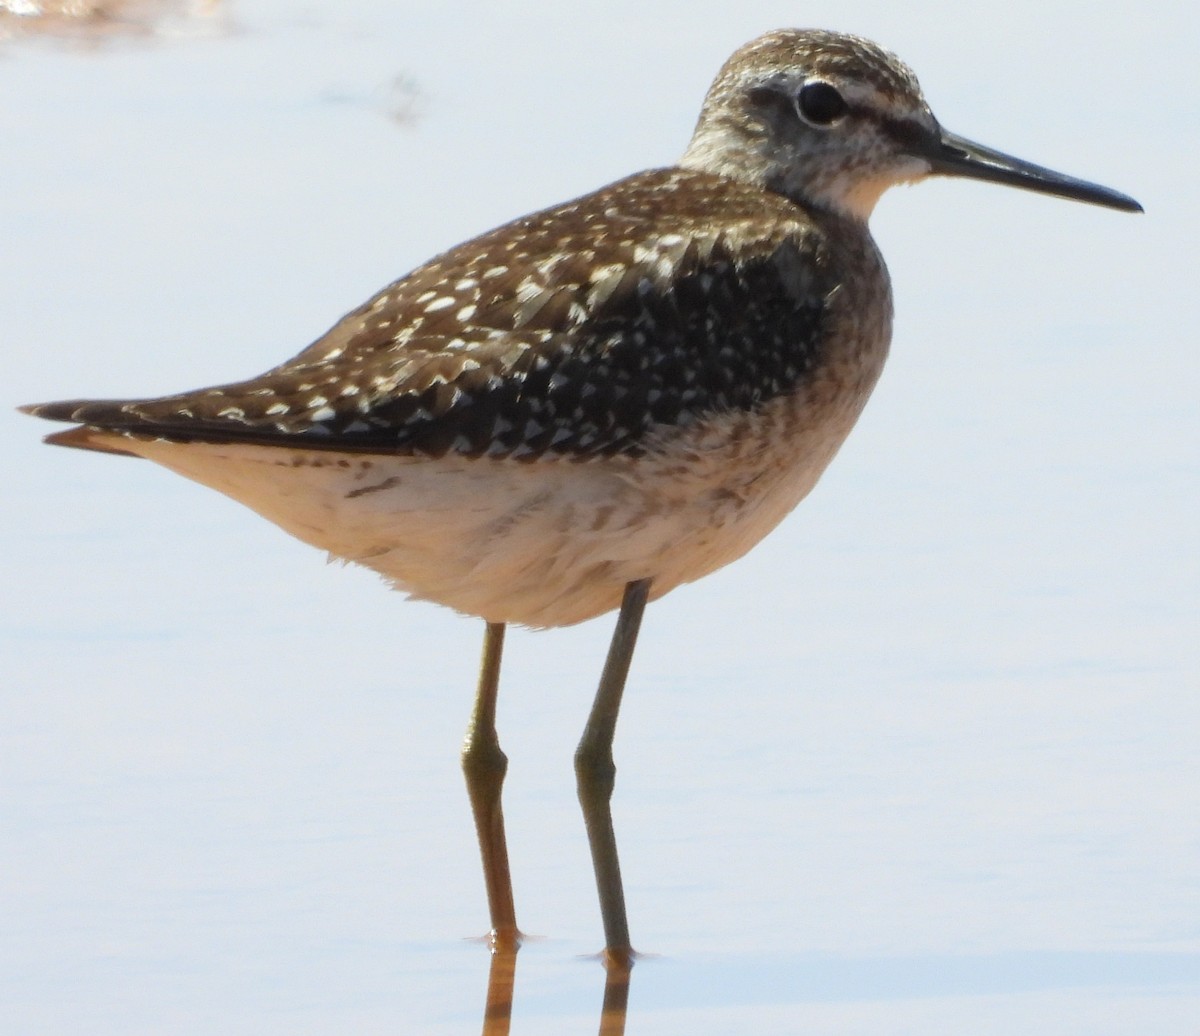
[
  {"x": 498, "y": 1012},
  {"x": 616, "y": 998},
  {"x": 497, "y": 1015}
]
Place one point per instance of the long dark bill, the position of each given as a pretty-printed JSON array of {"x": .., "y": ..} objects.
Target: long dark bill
[{"x": 952, "y": 155}]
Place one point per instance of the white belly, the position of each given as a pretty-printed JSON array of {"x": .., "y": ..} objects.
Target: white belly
[{"x": 548, "y": 542}]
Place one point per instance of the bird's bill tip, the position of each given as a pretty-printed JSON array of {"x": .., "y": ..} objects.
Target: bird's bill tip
[{"x": 952, "y": 155}]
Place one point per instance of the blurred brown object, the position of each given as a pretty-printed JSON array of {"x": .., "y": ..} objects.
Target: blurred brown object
[{"x": 98, "y": 21}]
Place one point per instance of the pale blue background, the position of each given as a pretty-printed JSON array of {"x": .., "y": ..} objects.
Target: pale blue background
[{"x": 924, "y": 763}]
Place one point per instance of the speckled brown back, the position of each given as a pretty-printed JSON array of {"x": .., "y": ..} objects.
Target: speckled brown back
[{"x": 667, "y": 296}]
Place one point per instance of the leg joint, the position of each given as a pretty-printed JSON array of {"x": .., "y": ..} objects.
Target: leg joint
[
  {"x": 483, "y": 757},
  {"x": 595, "y": 771}
]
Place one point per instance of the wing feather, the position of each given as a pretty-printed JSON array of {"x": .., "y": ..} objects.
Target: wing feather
[{"x": 583, "y": 329}]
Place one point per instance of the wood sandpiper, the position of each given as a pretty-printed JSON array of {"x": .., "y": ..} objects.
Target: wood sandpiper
[{"x": 591, "y": 405}]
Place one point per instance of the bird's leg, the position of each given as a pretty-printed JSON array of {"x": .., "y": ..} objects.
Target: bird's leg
[
  {"x": 484, "y": 765},
  {"x": 595, "y": 773}
]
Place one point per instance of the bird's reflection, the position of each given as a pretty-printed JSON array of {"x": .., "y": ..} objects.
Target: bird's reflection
[{"x": 497, "y": 1012}]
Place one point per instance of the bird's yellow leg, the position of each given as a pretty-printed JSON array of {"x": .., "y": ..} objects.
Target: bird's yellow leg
[
  {"x": 595, "y": 773},
  {"x": 484, "y": 765}
]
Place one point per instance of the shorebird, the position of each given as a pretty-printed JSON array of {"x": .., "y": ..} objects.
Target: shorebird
[{"x": 594, "y": 404}]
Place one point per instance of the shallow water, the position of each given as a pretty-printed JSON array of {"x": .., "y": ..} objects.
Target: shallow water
[{"x": 923, "y": 763}]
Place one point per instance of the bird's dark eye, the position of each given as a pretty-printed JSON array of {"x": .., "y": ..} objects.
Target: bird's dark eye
[{"x": 820, "y": 104}]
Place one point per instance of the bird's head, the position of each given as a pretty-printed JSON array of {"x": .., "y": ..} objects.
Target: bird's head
[{"x": 834, "y": 120}]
